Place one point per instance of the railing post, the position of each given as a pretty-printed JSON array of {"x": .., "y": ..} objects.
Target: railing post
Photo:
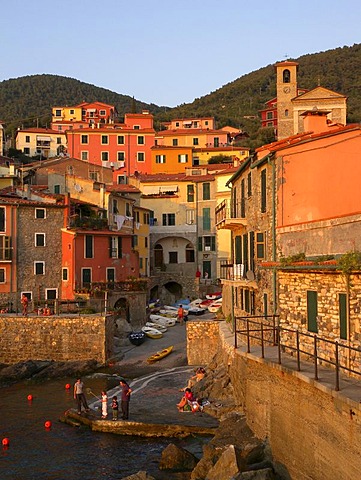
[
  {"x": 248, "y": 339},
  {"x": 279, "y": 344},
  {"x": 337, "y": 368},
  {"x": 315, "y": 355},
  {"x": 298, "y": 350},
  {"x": 274, "y": 330},
  {"x": 262, "y": 343},
  {"x": 235, "y": 333}
]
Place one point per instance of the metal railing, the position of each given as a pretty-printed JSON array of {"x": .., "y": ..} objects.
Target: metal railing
[{"x": 265, "y": 331}]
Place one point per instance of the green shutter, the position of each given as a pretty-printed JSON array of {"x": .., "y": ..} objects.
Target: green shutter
[
  {"x": 200, "y": 244},
  {"x": 312, "y": 311},
  {"x": 213, "y": 243},
  {"x": 263, "y": 190},
  {"x": 238, "y": 249},
  {"x": 206, "y": 218},
  {"x": 120, "y": 247},
  {"x": 251, "y": 251},
  {"x": 342, "y": 305},
  {"x": 245, "y": 252}
]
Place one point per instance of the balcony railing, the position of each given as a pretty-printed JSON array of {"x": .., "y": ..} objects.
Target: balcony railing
[
  {"x": 94, "y": 288},
  {"x": 232, "y": 271},
  {"x": 230, "y": 215}
]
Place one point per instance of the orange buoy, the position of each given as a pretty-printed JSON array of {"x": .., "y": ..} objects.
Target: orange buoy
[
  {"x": 30, "y": 397},
  {"x": 47, "y": 424},
  {"x": 67, "y": 386},
  {"x": 5, "y": 442}
]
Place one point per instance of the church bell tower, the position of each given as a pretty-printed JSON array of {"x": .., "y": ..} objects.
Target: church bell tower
[{"x": 286, "y": 91}]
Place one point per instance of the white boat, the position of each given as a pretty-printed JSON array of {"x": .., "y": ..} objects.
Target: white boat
[
  {"x": 157, "y": 326},
  {"x": 166, "y": 321},
  {"x": 152, "y": 332}
]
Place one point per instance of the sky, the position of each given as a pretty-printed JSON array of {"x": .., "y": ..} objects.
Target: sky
[{"x": 167, "y": 52}]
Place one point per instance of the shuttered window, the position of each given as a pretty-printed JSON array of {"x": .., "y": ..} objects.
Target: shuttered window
[
  {"x": 312, "y": 311},
  {"x": 263, "y": 191}
]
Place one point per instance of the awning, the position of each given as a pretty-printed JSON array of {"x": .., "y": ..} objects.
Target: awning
[
  {"x": 43, "y": 139},
  {"x": 150, "y": 190},
  {"x": 168, "y": 188},
  {"x": 187, "y": 122}
]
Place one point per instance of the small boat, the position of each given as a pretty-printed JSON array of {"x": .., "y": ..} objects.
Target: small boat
[
  {"x": 136, "y": 338},
  {"x": 159, "y": 355},
  {"x": 165, "y": 321},
  {"x": 157, "y": 326},
  {"x": 214, "y": 296},
  {"x": 196, "y": 311},
  {"x": 152, "y": 332}
]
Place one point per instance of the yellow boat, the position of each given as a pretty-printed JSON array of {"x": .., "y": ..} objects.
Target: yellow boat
[{"x": 159, "y": 355}]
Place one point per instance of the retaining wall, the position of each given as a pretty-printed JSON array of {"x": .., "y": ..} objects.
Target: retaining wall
[
  {"x": 56, "y": 338},
  {"x": 314, "y": 431}
]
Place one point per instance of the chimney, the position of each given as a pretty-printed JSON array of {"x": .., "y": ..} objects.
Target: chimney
[{"x": 315, "y": 120}]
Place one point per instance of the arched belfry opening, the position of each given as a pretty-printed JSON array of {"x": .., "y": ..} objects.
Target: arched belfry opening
[{"x": 286, "y": 76}]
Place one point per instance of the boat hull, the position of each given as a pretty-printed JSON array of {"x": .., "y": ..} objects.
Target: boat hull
[
  {"x": 159, "y": 355},
  {"x": 137, "y": 338}
]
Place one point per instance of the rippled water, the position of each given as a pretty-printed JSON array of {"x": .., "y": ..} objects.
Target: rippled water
[{"x": 65, "y": 452}]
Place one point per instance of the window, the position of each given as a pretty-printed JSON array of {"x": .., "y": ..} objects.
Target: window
[
  {"x": 2, "y": 219},
  {"x": 342, "y": 307},
  {"x": 173, "y": 257},
  {"x": 93, "y": 176},
  {"x": 51, "y": 293},
  {"x": 216, "y": 141},
  {"x": 102, "y": 113},
  {"x": 140, "y": 140},
  {"x": 243, "y": 200},
  {"x": 58, "y": 140},
  {"x": 26, "y": 151},
  {"x": 260, "y": 244},
  {"x": 39, "y": 268},
  {"x": 128, "y": 210},
  {"x": 134, "y": 241},
  {"x": 145, "y": 242},
  {"x": 206, "y": 218},
  {"x": 5, "y": 248},
  {"x": 286, "y": 112},
  {"x": 190, "y": 256},
  {"x": 105, "y": 156},
  {"x": 195, "y": 124},
  {"x": 120, "y": 139},
  {"x": 84, "y": 155},
  {"x": 2, "y": 275},
  {"x": 88, "y": 246},
  {"x": 122, "y": 179},
  {"x": 83, "y": 139},
  {"x": 60, "y": 128},
  {"x": 183, "y": 158},
  {"x": 190, "y": 193},
  {"x": 175, "y": 142},
  {"x": 27, "y": 138},
  {"x": 263, "y": 191},
  {"x": 40, "y": 239},
  {"x": 269, "y": 115},
  {"x": 190, "y": 217},
  {"x": 312, "y": 311},
  {"x": 195, "y": 141},
  {"x": 121, "y": 156},
  {"x": 40, "y": 213},
  {"x": 58, "y": 113},
  {"x": 206, "y": 191},
  {"x": 110, "y": 274},
  {"x": 160, "y": 158},
  {"x": 249, "y": 184},
  {"x": 146, "y": 218},
  {"x": 104, "y": 139},
  {"x": 140, "y": 157},
  {"x": 65, "y": 274},
  {"x": 209, "y": 243},
  {"x": 177, "y": 124},
  {"x": 71, "y": 112},
  {"x": 168, "y": 219},
  {"x": 86, "y": 277},
  {"x": 206, "y": 123},
  {"x": 115, "y": 247},
  {"x": 269, "y": 124},
  {"x": 56, "y": 188},
  {"x": 136, "y": 127}
]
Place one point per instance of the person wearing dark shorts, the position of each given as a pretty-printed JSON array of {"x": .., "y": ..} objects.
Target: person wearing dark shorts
[
  {"x": 125, "y": 398},
  {"x": 79, "y": 396}
]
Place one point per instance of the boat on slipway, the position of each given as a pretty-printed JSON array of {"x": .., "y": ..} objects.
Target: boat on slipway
[
  {"x": 137, "y": 338},
  {"x": 159, "y": 355},
  {"x": 157, "y": 326},
  {"x": 152, "y": 332},
  {"x": 165, "y": 321}
]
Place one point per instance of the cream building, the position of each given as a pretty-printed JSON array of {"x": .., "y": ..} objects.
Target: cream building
[{"x": 41, "y": 141}]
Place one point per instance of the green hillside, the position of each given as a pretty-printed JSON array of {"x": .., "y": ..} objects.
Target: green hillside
[{"x": 27, "y": 101}]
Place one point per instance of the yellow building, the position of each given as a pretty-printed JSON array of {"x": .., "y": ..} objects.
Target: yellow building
[
  {"x": 141, "y": 238},
  {"x": 201, "y": 156},
  {"x": 42, "y": 142}
]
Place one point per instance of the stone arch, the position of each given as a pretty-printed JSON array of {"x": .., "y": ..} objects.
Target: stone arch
[{"x": 122, "y": 305}]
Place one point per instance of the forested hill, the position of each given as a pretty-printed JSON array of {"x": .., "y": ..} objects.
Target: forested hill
[
  {"x": 27, "y": 101},
  {"x": 338, "y": 70}
]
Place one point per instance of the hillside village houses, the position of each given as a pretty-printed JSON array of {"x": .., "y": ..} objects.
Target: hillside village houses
[{"x": 239, "y": 225}]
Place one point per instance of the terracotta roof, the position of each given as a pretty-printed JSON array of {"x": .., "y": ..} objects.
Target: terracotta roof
[
  {"x": 122, "y": 188},
  {"x": 174, "y": 177},
  {"x": 48, "y": 131},
  {"x": 108, "y": 130},
  {"x": 190, "y": 131}
]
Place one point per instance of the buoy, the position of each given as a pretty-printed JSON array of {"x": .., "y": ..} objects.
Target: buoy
[
  {"x": 47, "y": 424},
  {"x": 67, "y": 386},
  {"x": 5, "y": 442},
  {"x": 30, "y": 397}
]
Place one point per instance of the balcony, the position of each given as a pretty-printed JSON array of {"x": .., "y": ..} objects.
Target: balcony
[
  {"x": 235, "y": 272},
  {"x": 99, "y": 288},
  {"x": 230, "y": 216},
  {"x": 92, "y": 223}
]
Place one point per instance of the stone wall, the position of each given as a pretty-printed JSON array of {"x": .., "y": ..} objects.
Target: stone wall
[
  {"x": 314, "y": 431},
  {"x": 202, "y": 341},
  {"x": 56, "y": 338}
]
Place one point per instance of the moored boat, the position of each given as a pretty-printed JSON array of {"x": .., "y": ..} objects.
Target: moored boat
[
  {"x": 152, "y": 332},
  {"x": 137, "y": 338},
  {"x": 165, "y": 321},
  {"x": 159, "y": 355},
  {"x": 157, "y": 326}
]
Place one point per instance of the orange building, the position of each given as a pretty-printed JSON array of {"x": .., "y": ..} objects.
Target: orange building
[{"x": 165, "y": 159}]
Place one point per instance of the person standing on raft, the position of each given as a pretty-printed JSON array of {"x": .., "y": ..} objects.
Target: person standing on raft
[
  {"x": 125, "y": 398},
  {"x": 79, "y": 396}
]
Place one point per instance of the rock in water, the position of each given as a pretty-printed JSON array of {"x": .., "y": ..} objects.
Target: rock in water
[
  {"x": 177, "y": 459},
  {"x": 227, "y": 466},
  {"x": 139, "y": 476}
]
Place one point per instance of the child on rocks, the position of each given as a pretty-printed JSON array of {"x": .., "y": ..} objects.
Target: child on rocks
[{"x": 115, "y": 408}]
